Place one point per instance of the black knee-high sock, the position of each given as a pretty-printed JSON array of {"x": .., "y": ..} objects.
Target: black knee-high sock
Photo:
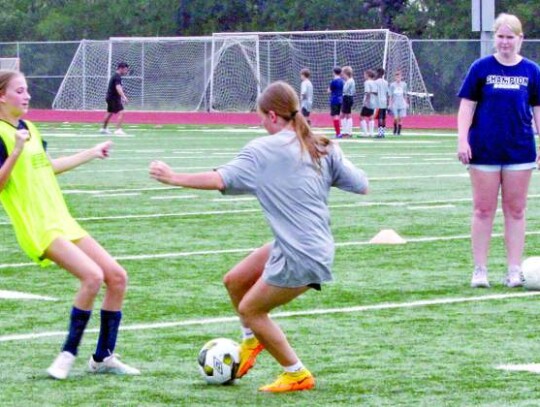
[
  {"x": 110, "y": 321},
  {"x": 77, "y": 324}
]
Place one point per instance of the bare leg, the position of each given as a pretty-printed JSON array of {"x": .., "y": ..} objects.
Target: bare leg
[
  {"x": 245, "y": 274},
  {"x": 115, "y": 276},
  {"x": 107, "y": 119},
  {"x": 254, "y": 309},
  {"x": 68, "y": 256},
  {"x": 515, "y": 185},
  {"x": 485, "y": 186},
  {"x": 120, "y": 120}
]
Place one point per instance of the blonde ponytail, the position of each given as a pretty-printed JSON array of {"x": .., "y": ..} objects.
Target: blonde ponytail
[{"x": 281, "y": 98}]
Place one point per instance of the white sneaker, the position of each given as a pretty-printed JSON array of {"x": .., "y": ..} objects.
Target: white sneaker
[
  {"x": 513, "y": 277},
  {"x": 105, "y": 131},
  {"x": 120, "y": 132},
  {"x": 61, "y": 366},
  {"x": 480, "y": 277},
  {"x": 112, "y": 365}
]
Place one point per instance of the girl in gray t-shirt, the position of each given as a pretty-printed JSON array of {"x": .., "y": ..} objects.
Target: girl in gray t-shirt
[
  {"x": 290, "y": 171},
  {"x": 398, "y": 101}
]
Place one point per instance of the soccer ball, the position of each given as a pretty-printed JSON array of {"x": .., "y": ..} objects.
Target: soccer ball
[
  {"x": 530, "y": 269},
  {"x": 219, "y": 360}
]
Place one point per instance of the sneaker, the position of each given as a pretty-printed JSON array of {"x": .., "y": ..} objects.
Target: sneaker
[
  {"x": 120, "y": 132},
  {"x": 112, "y": 365},
  {"x": 249, "y": 350},
  {"x": 480, "y": 277},
  {"x": 61, "y": 366},
  {"x": 296, "y": 381},
  {"x": 513, "y": 277},
  {"x": 339, "y": 135},
  {"x": 105, "y": 131}
]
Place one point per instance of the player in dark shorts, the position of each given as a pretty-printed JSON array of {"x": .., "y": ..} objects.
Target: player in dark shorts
[{"x": 116, "y": 98}]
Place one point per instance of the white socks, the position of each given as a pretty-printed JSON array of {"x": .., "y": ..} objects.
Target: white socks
[
  {"x": 247, "y": 333},
  {"x": 294, "y": 368}
]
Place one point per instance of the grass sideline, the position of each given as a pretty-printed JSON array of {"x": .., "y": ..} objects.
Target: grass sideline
[{"x": 439, "y": 354}]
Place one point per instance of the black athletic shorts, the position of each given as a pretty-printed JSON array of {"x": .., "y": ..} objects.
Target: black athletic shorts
[
  {"x": 335, "y": 110},
  {"x": 367, "y": 112},
  {"x": 114, "y": 105},
  {"x": 305, "y": 112},
  {"x": 348, "y": 102}
]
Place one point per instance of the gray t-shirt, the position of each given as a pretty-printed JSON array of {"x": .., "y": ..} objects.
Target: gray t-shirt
[
  {"x": 306, "y": 95},
  {"x": 370, "y": 87},
  {"x": 382, "y": 93},
  {"x": 398, "y": 91},
  {"x": 349, "y": 89},
  {"x": 293, "y": 196}
]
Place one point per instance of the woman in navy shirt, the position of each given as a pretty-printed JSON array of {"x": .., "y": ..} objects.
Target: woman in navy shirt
[{"x": 499, "y": 97}]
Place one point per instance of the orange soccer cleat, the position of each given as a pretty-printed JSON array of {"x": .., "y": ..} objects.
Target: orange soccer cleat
[
  {"x": 249, "y": 350},
  {"x": 287, "y": 381}
]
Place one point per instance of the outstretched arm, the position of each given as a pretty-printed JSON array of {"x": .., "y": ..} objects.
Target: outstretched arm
[
  {"x": 202, "y": 180},
  {"x": 63, "y": 164}
]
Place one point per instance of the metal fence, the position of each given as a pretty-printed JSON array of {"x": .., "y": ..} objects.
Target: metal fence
[{"x": 443, "y": 64}]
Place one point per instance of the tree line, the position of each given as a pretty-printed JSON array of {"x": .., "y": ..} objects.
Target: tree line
[{"x": 73, "y": 20}]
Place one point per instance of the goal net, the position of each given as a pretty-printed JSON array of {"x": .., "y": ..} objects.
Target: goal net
[
  {"x": 227, "y": 72},
  {"x": 10, "y": 64},
  {"x": 246, "y": 63},
  {"x": 164, "y": 73}
]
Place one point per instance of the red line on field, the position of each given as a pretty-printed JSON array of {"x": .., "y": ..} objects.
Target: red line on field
[{"x": 249, "y": 119}]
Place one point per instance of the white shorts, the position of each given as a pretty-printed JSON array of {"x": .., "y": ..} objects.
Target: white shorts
[
  {"x": 397, "y": 112},
  {"x": 503, "y": 167}
]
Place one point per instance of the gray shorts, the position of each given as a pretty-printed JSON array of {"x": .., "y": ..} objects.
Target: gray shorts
[{"x": 503, "y": 167}]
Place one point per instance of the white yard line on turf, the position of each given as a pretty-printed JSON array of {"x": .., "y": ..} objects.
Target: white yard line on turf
[
  {"x": 323, "y": 311},
  {"x": 174, "y": 197},
  {"x": 529, "y": 367},
  {"x": 115, "y": 195},
  {"x": 137, "y": 257},
  {"x": 17, "y": 295},
  {"x": 423, "y": 207}
]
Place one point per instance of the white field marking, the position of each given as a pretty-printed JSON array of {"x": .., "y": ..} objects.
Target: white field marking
[
  {"x": 105, "y": 191},
  {"x": 422, "y": 207},
  {"x": 79, "y": 135},
  {"x": 323, "y": 311},
  {"x": 115, "y": 195},
  {"x": 17, "y": 295},
  {"x": 145, "y": 169},
  {"x": 225, "y": 212},
  {"x": 209, "y": 167},
  {"x": 249, "y": 198},
  {"x": 408, "y": 177},
  {"x": 529, "y": 367},
  {"x": 247, "y": 250},
  {"x": 394, "y": 157},
  {"x": 175, "y": 197},
  {"x": 386, "y": 142},
  {"x": 439, "y": 159}
]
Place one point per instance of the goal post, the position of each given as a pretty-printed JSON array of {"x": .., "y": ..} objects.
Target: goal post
[{"x": 227, "y": 71}]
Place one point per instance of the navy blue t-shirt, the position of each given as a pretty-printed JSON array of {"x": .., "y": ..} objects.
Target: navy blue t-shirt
[
  {"x": 501, "y": 131},
  {"x": 3, "y": 149},
  {"x": 336, "y": 91}
]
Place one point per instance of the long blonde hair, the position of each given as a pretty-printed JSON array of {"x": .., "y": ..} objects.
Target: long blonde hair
[{"x": 281, "y": 98}]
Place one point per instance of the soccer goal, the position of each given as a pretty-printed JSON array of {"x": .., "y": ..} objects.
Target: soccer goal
[
  {"x": 10, "y": 63},
  {"x": 227, "y": 71},
  {"x": 245, "y": 63}
]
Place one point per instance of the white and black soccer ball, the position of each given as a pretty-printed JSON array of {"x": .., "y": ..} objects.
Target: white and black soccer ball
[
  {"x": 219, "y": 360},
  {"x": 530, "y": 273}
]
